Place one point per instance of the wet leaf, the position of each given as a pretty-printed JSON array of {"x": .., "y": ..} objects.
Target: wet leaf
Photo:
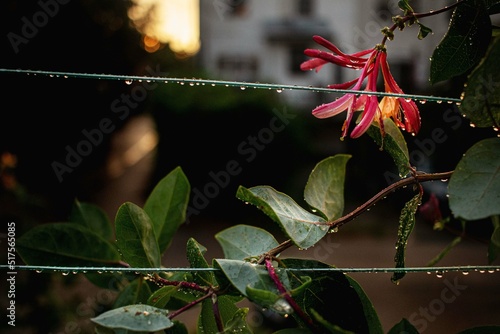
[
  {"x": 137, "y": 292},
  {"x": 227, "y": 310},
  {"x": 242, "y": 274},
  {"x": 481, "y": 96},
  {"x": 65, "y": 244},
  {"x": 243, "y": 241},
  {"x": 393, "y": 143},
  {"x": 92, "y": 217},
  {"x": 161, "y": 297},
  {"x": 406, "y": 224},
  {"x": 196, "y": 259},
  {"x": 324, "y": 190},
  {"x": 465, "y": 42},
  {"x": 303, "y": 228},
  {"x": 474, "y": 187},
  {"x": 237, "y": 324},
  {"x": 166, "y": 206},
  {"x": 137, "y": 317},
  {"x": 136, "y": 238},
  {"x": 336, "y": 297}
]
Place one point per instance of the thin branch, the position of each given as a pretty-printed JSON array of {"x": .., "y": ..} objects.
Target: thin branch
[
  {"x": 414, "y": 179},
  {"x": 384, "y": 192}
]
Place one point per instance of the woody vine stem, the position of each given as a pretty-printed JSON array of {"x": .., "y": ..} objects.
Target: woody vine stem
[{"x": 414, "y": 179}]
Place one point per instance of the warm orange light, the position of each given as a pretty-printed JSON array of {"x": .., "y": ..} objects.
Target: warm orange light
[{"x": 172, "y": 22}]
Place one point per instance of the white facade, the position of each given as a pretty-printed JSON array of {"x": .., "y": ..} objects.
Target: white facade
[{"x": 263, "y": 40}]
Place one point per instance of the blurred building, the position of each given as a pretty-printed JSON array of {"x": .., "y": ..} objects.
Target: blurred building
[{"x": 251, "y": 40}]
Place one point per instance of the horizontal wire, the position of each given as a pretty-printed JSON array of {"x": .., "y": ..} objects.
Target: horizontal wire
[
  {"x": 240, "y": 84},
  {"x": 437, "y": 270}
]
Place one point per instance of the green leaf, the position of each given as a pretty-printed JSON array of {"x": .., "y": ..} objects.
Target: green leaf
[
  {"x": 206, "y": 319},
  {"x": 481, "y": 96},
  {"x": 369, "y": 311},
  {"x": 166, "y": 206},
  {"x": 162, "y": 296},
  {"x": 65, "y": 244},
  {"x": 137, "y": 317},
  {"x": 474, "y": 187},
  {"x": 465, "y": 42},
  {"x": 243, "y": 241},
  {"x": 242, "y": 274},
  {"x": 303, "y": 228},
  {"x": 337, "y": 298},
  {"x": 404, "y": 326},
  {"x": 393, "y": 143},
  {"x": 92, "y": 217},
  {"x": 494, "y": 245},
  {"x": 264, "y": 298},
  {"x": 195, "y": 257},
  {"x": 137, "y": 292},
  {"x": 324, "y": 189},
  {"x": 406, "y": 224},
  {"x": 238, "y": 324},
  {"x": 136, "y": 238},
  {"x": 423, "y": 31},
  {"x": 405, "y": 6}
]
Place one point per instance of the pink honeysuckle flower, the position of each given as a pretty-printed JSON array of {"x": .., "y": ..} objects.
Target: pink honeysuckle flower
[{"x": 389, "y": 107}]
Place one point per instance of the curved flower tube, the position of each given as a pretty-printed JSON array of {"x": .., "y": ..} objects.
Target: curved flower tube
[{"x": 389, "y": 107}]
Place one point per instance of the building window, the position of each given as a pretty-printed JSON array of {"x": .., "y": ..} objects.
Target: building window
[{"x": 305, "y": 7}]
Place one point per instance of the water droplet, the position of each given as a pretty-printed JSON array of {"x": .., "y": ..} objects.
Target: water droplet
[
  {"x": 243, "y": 88},
  {"x": 439, "y": 101},
  {"x": 472, "y": 125},
  {"x": 279, "y": 90},
  {"x": 191, "y": 84},
  {"x": 439, "y": 274},
  {"x": 39, "y": 271},
  {"x": 334, "y": 230},
  {"x": 65, "y": 273},
  {"x": 423, "y": 101},
  {"x": 465, "y": 273},
  {"x": 444, "y": 180}
]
